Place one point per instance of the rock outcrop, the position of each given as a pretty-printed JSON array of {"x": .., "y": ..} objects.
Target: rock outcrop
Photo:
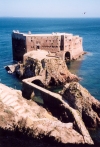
[
  {"x": 80, "y": 99},
  {"x": 53, "y": 70},
  {"x": 25, "y": 116},
  {"x": 77, "y": 108},
  {"x": 59, "y": 107}
]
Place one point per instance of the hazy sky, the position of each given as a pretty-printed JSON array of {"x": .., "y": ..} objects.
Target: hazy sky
[{"x": 50, "y": 8}]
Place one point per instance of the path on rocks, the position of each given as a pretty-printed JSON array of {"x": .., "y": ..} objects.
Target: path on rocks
[{"x": 17, "y": 112}]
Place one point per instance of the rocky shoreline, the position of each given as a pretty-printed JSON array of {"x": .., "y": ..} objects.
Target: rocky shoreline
[{"x": 73, "y": 109}]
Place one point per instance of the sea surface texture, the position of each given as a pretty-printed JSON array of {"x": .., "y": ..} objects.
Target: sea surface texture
[{"x": 87, "y": 67}]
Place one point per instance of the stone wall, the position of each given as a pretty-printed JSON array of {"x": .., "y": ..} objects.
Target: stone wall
[
  {"x": 18, "y": 46},
  {"x": 54, "y": 101},
  {"x": 64, "y": 45}
]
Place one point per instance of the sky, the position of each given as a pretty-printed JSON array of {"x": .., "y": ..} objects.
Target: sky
[{"x": 50, "y": 8}]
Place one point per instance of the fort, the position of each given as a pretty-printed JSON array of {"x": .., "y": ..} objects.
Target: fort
[{"x": 64, "y": 45}]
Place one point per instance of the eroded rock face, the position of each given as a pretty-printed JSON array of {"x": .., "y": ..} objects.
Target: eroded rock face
[
  {"x": 17, "y": 113},
  {"x": 80, "y": 99},
  {"x": 53, "y": 71}
]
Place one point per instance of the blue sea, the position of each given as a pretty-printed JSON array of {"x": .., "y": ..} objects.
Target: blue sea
[{"x": 87, "y": 67}]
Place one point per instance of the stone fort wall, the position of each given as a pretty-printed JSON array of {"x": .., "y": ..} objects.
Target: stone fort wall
[{"x": 62, "y": 44}]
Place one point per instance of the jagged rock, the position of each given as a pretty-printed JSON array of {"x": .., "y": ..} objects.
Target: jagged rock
[
  {"x": 60, "y": 108},
  {"x": 25, "y": 116},
  {"x": 53, "y": 71},
  {"x": 80, "y": 99}
]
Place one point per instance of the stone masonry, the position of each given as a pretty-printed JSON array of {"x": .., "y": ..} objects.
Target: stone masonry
[{"x": 64, "y": 45}]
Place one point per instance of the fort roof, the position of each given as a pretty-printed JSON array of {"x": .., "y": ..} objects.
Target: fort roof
[{"x": 52, "y": 34}]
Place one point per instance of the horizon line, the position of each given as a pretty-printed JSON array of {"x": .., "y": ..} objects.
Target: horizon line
[{"x": 44, "y": 17}]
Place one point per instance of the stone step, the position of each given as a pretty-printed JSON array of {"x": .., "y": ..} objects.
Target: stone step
[
  {"x": 9, "y": 97},
  {"x": 14, "y": 104},
  {"x": 15, "y": 98},
  {"x": 17, "y": 107},
  {"x": 20, "y": 111},
  {"x": 1, "y": 91},
  {"x": 10, "y": 101},
  {"x": 5, "y": 99},
  {"x": 3, "y": 94}
]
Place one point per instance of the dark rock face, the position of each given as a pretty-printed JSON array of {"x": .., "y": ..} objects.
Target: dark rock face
[{"x": 80, "y": 99}]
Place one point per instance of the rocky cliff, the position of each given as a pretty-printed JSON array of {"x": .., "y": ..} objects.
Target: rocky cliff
[
  {"x": 73, "y": 106},
  {"x": 53, "y": 71},
  {"x": 25, "y": 116},
  {"x": 80, "y": 99}
]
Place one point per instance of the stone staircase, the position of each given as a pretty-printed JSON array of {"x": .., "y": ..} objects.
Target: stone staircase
[
  {"x": 12, "y": 101},
  {"x": 15, "y": 111}
]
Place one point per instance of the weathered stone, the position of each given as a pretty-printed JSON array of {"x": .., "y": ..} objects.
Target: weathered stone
[
  {"x": 80, "y": 99},
  {"x": 64, "y": 45},
  {"x": 19, "y": 114},
  {"x": 59, "y": 108},
  {"x": 53, "y": 71}
]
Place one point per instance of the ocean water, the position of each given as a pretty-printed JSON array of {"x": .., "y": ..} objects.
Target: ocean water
[{"x": 87, "y": 67}]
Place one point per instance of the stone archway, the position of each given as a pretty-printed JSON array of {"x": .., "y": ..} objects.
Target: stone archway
[
  {"x": 67, "y": 56},
  {"x": 38, "y": 82},
  {"x": 37, "y": 47}
]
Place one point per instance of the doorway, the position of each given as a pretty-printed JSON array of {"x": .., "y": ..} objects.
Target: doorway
[
  {"x": 67, "y": 56},
  {"x": 37, "y": 47}
]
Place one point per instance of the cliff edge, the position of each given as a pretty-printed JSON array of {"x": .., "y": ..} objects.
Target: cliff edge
[{"x": 25, "y": 116}]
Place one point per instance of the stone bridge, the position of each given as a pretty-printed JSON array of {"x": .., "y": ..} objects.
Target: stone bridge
[{"x": 51, "y": 98}]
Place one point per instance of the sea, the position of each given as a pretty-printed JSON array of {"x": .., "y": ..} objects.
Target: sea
[{"x": 87, "y": 67}]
